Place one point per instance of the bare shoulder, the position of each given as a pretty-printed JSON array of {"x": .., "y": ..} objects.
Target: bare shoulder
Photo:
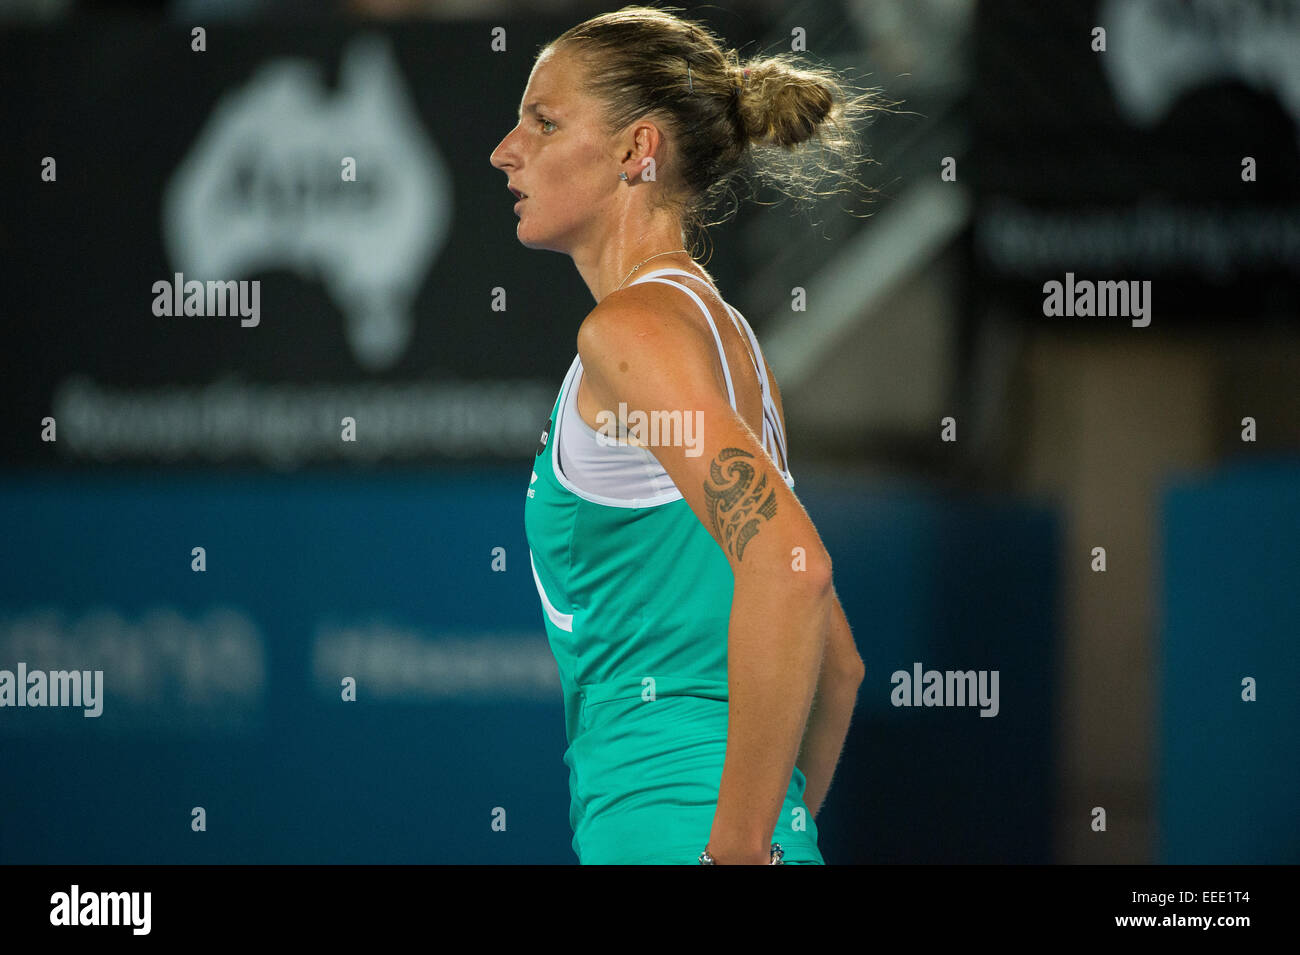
[
  {"x": 647, "y": 302},
  {"x": 646, "y": 324}
]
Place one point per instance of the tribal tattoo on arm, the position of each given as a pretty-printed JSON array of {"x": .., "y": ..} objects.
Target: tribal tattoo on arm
[{"x": 733, "y": 499}]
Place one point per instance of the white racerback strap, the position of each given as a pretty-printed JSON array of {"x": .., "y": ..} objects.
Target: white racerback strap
[
  {"x": 726, "y": 371},
  {"x": 771, "y": 420}
]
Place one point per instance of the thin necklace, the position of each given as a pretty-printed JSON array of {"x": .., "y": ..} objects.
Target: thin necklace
[{"x": 643, "y": 262}]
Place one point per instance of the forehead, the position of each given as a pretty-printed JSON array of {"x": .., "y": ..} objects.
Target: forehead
[{"x": 552, "y": 82}]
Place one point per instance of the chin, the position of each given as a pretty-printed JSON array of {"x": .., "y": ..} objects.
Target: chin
[{"x": 541, "y": 244}]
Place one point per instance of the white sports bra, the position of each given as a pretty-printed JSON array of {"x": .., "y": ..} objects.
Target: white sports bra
[{"x": 627, "y": 475}]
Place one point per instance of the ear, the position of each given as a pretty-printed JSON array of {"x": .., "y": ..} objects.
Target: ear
[{"x": 643, "y": 140}]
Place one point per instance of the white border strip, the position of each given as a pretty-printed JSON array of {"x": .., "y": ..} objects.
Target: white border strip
[{"x": 562, "y": 620}]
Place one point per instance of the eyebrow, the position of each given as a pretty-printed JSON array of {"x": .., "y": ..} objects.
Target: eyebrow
[{"x": 533, "y": 108}]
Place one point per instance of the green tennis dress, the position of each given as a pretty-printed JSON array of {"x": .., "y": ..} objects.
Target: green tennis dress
[{"x": 636, "y": 599}]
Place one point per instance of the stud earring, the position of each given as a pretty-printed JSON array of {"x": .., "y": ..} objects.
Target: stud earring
[{"x": 623, "y": 176}]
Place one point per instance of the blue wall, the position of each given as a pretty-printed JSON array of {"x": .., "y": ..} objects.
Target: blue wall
[
  {"x": 1230, "y": 769},
  {"x": 219, "y": 692}
]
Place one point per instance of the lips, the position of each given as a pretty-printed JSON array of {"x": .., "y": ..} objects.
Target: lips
[{"x": 517, "y": 193}]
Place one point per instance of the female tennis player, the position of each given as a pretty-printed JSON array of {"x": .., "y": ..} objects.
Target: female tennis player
[{"x": 708, "y": 671}]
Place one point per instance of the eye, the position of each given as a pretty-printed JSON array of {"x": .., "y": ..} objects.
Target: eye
[{"x": 544, "y": 122}]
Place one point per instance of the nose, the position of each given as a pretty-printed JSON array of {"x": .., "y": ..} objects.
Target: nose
[{"x": 503, "y": 155}]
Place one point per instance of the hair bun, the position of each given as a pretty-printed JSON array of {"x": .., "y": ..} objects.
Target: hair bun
[{"x": 786, "y": 105}]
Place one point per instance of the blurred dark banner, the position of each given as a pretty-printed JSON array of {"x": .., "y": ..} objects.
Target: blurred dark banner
[
  {"x": 342, "y": 167},
  {"x": 1172, "y": 156}
]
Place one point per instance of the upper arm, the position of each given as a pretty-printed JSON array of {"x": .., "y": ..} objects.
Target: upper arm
[{"x": 656, "y": 362}]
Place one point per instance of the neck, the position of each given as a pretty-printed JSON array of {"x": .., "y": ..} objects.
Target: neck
[{"x": 604, "y": 264}]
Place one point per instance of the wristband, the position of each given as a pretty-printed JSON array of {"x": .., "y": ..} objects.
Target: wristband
[{"x": 775, "y": 859}]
